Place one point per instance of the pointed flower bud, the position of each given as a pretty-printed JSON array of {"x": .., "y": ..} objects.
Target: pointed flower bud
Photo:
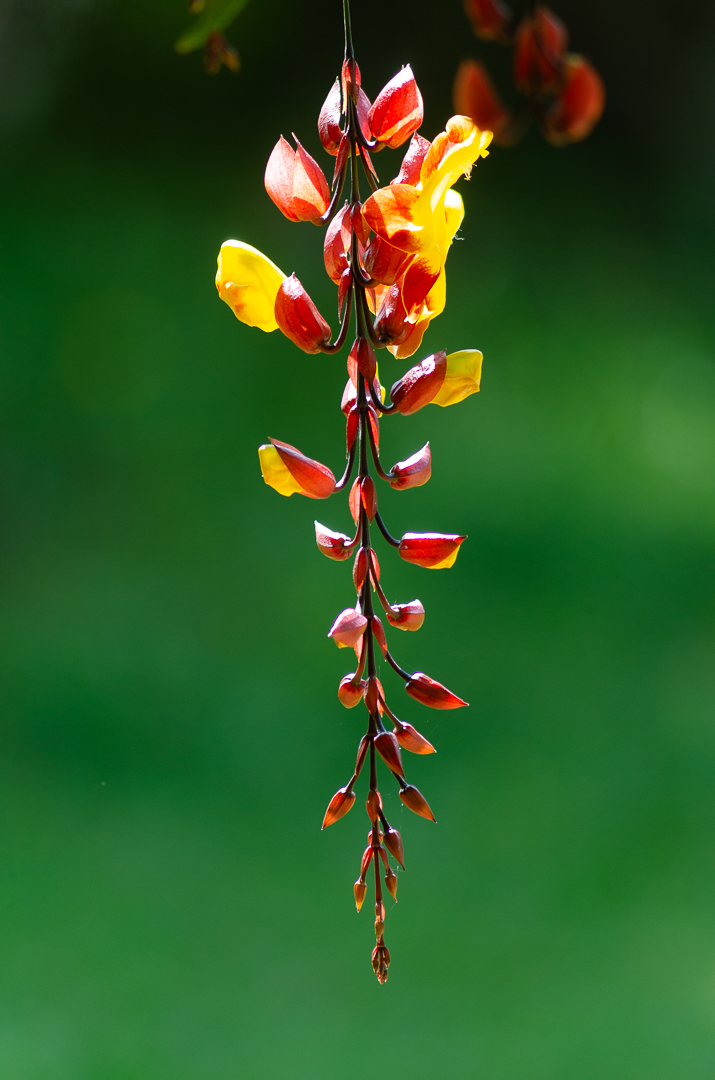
[
  {"x": 347, "y": 628},
  {"x": 373, "y": 805},
  {"x": 578, "y": 107},
  {"x": 397, "y": 111},
  {"x": 337, "y": 244},
  {"x": 329, "y": 121},
  {"x": 341, "y": 802},
  {"x": 298, "y": 317},
  {"x": 349, "y": 691},
  {"x": 379, "y": 633},
  {"x": 385, "y": 263},
  {"x": 432, "y": 693},
  {"x": 248, "y": 282},
  {"x": 415, "y": 801},
  {"x": 406, "y": 616},
  {"x": 290, "y": 472},
  {"x": 391, "y": 883},
  {"x": 414, "y": 472},
  {"x": 360, "y": 889},
  {"x": 411, "y": 740},
  {"x": 434, "y": 551},
  {"x": 420, "y": 384},
  {"x": 296, "y": 183},
  {"x": 335, "y": 545},
  {"x": 490, "y": 19},
  {"x": 476, "y": 96},
  {"x": 360, "y": 569},
  {"x": 388, "y": 748},
  {"x": 366, "y": 858},
  {"x": 393, "y": 843},
  {"x": 368, "y": 497}
]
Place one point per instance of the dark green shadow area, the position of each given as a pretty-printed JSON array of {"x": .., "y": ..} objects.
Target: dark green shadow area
[{"x": 169, "y": 909}]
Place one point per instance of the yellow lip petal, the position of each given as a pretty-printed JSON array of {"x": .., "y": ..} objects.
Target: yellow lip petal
[
  {"x": 464, "y": 370},
  {"x": 275, "y": 473},
  {"x": 248, "y": 282}
]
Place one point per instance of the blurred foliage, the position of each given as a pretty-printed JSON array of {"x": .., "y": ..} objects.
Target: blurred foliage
[
  {"x": 212, "y": 17},
  {"x": 171, "y": 730}
]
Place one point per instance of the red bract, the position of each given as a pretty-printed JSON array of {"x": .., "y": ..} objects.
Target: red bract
[
  {"x": 579, "y": 105},
  {"x": 335, "y": 545},
  {"x": 388, "y": 748},
  {"x": 336, "y": 246},
  {"x": 475, "y": 95},
  {"x": 434, "y": 551},
  {"x": 316, "y": 480},
  {"x": 329, "y": 121},
  {"x": 406, "y": 616},
  {"x": 432, "y": 693},
  {"x": 296, "y": 183},
  {"x": 539, "y": 52},
  {"x": 420, "y": 384},
  {"x": 385, "y": 263},
  {"x": 413, "y": 472},
  {"x": 490, "y": 19},
  {"x": 412, "y": 162},
  {"x": 397, "y": 111},
  {"x": 298, "y": 317}
]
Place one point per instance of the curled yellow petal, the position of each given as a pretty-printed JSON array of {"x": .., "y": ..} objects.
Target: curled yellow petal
[
  {"x": 248, "y": 282},
  {"x": 464, "y": 371},
  {"x": 446, "y": 563},
  {"x": 275, "y": 473}
]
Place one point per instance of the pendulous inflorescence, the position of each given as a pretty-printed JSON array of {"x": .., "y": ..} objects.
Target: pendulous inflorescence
[{"x": 387, "y": 257}]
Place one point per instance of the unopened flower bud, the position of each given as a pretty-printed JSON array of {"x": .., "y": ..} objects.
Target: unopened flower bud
[
  {"x": 351, "y": 79},
  {"x": 329, "y": 121},
  {"x": 372, "y": 690},
  {"x": 415, "y": 801},
  {"x": 391, "y": 883},
  {"x": 476, "y": 96},
  {"x": 432, "y": 693},
  {"x": 398, "y": 110},
  {"x": 434, "y": 551},
  {"x": 539, "y": 52},
  {"x": 393, "y": 843},
  {"x": 579, "y": 105},
  {"x": 347, "y": 628},
  {"x": 366, "y": 860},
  {"x": 360, "y": 889},
  {"x": 298, "y": 317},
  {"x": 379, "y": 928},
  {"x": 337, "y": 245},
  {"x": 388, "y": 748},
  {"x": 490, "y": 19},
  {"x": 341, "y": 802},
  {"x": 290, "y": 472},
  {"x": 335, "y": 545},
  {"x": 414, "y": 472},
  {"x": 411, "y": 740},
  {"x": 406, "y": 616},
  {"x": 420, "y": 385},
  {"x": 362, "y": 752},
  {"x": 363, "y": 354},
  {"x": 296, "y": 183},
  {"x": 354, "y": 501},
  {"x": 360, "y": 568},
  {"x": 349, "y": 691}
]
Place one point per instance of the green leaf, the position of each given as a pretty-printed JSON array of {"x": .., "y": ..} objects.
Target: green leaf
[{"x": 216, "y": 16}]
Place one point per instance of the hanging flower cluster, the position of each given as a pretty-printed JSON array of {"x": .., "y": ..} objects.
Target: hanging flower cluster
[
  {"x": 562, "y": 91},
  {"x": 387, "y": 256}
]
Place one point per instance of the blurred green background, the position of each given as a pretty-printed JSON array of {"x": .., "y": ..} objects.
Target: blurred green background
[{"x": 169, "y": 909}]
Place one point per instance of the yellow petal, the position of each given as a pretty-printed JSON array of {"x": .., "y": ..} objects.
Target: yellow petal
[
  {"x": 446, "y": 563},
  {"x": 249, "y": 283},
  {"x": 464, "y": 371},
  {"x": 454, "y": 215},
  {"x": 275, "y": 473}
]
